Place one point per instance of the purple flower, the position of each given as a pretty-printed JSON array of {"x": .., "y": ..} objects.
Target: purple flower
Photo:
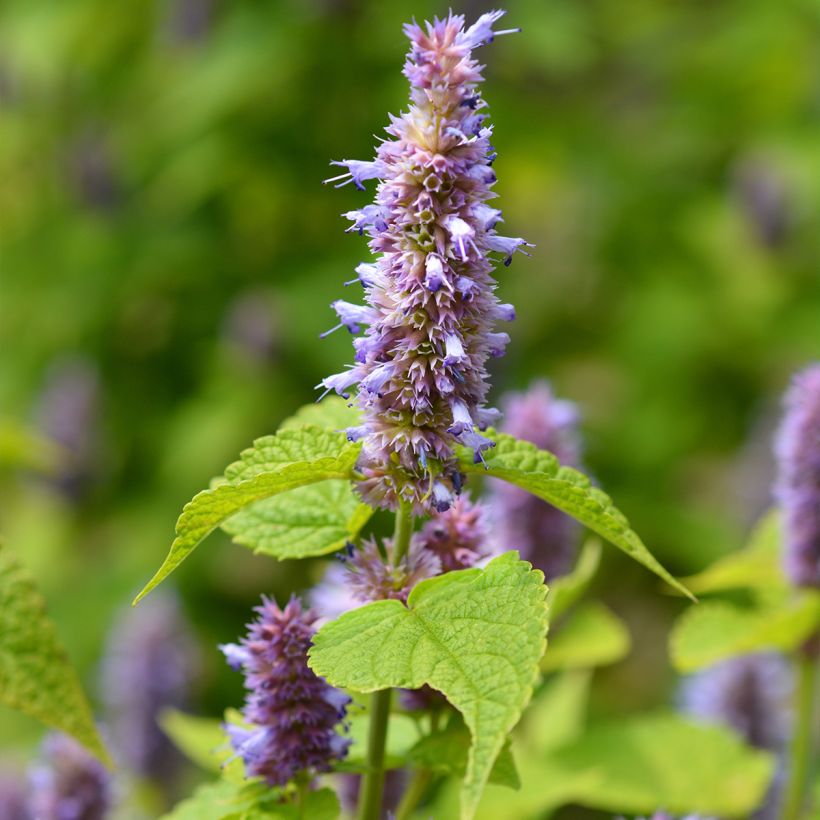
[
  {"x": 13, "y": 796},
  {"x": 542, "y": 534},
  {"x": 151, "y": 662},
  {"x": 293, "y": 711},
  {"x": 459, "y": 537},
  {"x": 430, "y": 306},
  {"x": 395, "y": 781},
  {"x": 798, "y": 485},
  {"x": 368, "y": 577},
  {"x": 68, "y": 783},
  {"x": 749, "y": 694}
]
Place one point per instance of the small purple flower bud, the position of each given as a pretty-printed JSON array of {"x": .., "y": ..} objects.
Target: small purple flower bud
[
  {"x": 68, "y": 783},
  {"x": 294, "y": 712},
  {"x": 357, "y": 172},
  {"x": 542, "y": 534},
  {"x": 432, "y": 305},
  {"x": 798, "y": 485}
]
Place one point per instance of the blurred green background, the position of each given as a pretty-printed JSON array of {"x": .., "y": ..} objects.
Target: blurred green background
[{"x": 168, "y": 255}]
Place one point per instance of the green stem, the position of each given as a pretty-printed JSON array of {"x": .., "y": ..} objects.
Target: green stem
[
  {"x": 402, "y": 533},
  {"x": 370, "y": 795},
  {"x": 413, "y": 794},
  {"x": 801, "y": 752}
]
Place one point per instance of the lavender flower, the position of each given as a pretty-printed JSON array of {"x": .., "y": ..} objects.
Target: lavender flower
[
  {"x": 542, "y": 534},
  {"x": 459, "y": 537},
  {"x": 13, "y": 798},
  {"x": 295, "y": 712},
  {"x": 430, "y": 306},
  {"x": 798, "y": 486},
  {"x": 151, "y": 663},
  {"x": 68, "y": 783},
  {"x": 370, "y": 578},
  {"x": 749, "y": 694}
]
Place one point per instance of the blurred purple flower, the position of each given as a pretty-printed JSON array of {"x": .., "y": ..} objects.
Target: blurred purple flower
[
  {"x": 295, "y": 713},
  {"x": 68, "y": 783},
  {"x": 797, "y": 448},
  {"x": 68, "y": 411},
  {"x": 749, "y": 694},
  {"x": 430, "y": 305},
  {"x": 250, "y": 326},
  {"x": 151, "y": 662},
  {"x": 459, "y": 537},
  {"x": 13, "y": 795},
  {"x": 543, "y": 535},
  {"x": 395, "y": 781},
  {"x": 370, "y": 578}
]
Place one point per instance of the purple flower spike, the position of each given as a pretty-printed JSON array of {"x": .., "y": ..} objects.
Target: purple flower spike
[
  {"x": 798, "y": 485},
  {"x": 68, "y": 783},
  {"x": 295, "y": 713},
  {"x": 429, "y": 327},
  {"x": 542, "y": 534}
]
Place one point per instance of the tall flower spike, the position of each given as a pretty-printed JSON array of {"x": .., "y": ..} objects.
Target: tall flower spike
[
  {"x": 67, "y": 782},
  {"x": 295, "y": 713},
  {"x": 542, "y": 534},
  {"x": 431, "y": 309},
  {"x": 798, "y": 485}
]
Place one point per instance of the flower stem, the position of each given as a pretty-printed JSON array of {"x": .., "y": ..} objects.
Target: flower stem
[
  {"x": 370, "y": 795},
  {"x": 801, "y": 753},
  {"x": 402, "y": 533},
  {"x": 415, "y": 791}
]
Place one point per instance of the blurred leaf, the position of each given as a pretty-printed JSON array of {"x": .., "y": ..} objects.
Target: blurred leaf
[
  {"x": 539, "y": 472},
  {"x": 557, "y": 712},
  {"x": 717, "y": 630},
  {"x": 204, "y": 741},
  {"x": 446, "y": 751},
  {"x": 36, "y": 676},
  {"x": 474, "y": 635},
  {"x": 402, "y": 735},
  {"x": 212, "y": 801},
  {"x": 665, "y": 760},
  {"x": 21, "y": 447},
  {"x": 757, "y": 566},
  {"x": 567, "y": 589},
  {"x": 275, "y": 464},
  {"x": 592, "y": 635}
]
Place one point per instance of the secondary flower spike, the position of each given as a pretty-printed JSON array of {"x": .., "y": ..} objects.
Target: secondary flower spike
[
  {"x": 542, "y": 534},
  {"x": 431, "y": 311},
  {"x": 798, "y": 485},
  {"x": 295, "y": 713}
]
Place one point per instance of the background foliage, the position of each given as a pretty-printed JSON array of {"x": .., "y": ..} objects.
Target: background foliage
[{"x": 168, "y": 254}]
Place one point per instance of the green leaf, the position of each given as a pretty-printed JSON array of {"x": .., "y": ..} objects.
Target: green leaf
[
  {"x": 402, "y": 734},
  {"x": 275, "y": 464},
  {"x": 446, "y": 751},
  {"x": 331, "y": 413},
  {"x": 539, "y": 472},
  {"x": 312, "y": 520},
  {"x": 567, "y": 589},
  {"x": 474, "y": 635},
  {"x": 756, "y": 567},
  {"x": 224, "y": 800},
  {"x": 36, "y": 676},
  {"x": 664, "y": 760},
  {"x": 557, "y": 712},
  {"x": 717, "y": 630},
  {"x": 591, "y": 636}
]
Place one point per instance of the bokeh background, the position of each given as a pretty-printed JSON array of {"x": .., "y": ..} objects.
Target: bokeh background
[{"x": 168, "y": 255}]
